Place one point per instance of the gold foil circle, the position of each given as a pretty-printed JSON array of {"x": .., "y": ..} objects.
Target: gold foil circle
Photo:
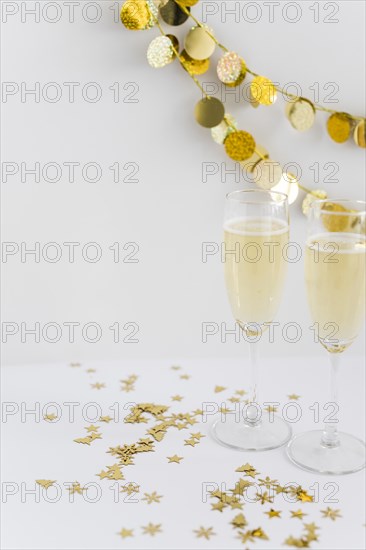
[
  {"x": 139, "y": 15},
  {"x": 259, "y": 154},
  {"x": 227, "y": 126},
  {"x": 263, "y": 91},
  {"x": 198, "y": 44},
  {"x": 239, "y": 145},
  {"x": 160, "y": 52},
  {"x": 172, "y": 14},
  {"x": 359, "y": 135},
  {"x": 231, "y": 69},
  {"x": 289, "y": 185},
  {"x": 301, "y": 114},
  {"x": 209, "y": 112},
  {"x": 193, "y": 66},
  {"x": 311, "y": 197},
  {"x": 339, "y": 126},
  {"x": 267, "y": 174},
  {"x": 335, "y": 223}
]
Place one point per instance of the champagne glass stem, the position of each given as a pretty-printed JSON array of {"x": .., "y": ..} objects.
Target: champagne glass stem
[
  {"x": 330, "y": 437},
  {"x": 253, "y": 413}
]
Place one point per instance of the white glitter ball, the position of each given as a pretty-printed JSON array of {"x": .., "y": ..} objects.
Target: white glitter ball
[
  {"x": 160, "y": 52},
  {"x": 229, "y": 68},
  {"x": 219, "y": 133}
]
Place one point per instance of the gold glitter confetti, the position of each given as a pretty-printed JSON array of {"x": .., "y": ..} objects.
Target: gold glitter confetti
[
  {"x": 218, "y": 506},
  {"x": 184, "y": 377},
  {"x": 219, "y": 389},
  {"x": 50, "y": 417},
  {"x": 92, "y": 428},
  {"x": 273, "y": 513},
  {"x": 151, "y": 529},
  {"x": 331, "y": 513},
  {"x": 45, "y": 483},
  {"x": 231, "y": 69},
  {"x": 267, "y": 482},
  {"x": 176, "y": 398},
  {"x": 106, "y": 419},
  {"x": 204, "y": 532},
  {"x": 197, "y": 435},
  {"x": 175, "y": 367},
  {"x": 76, "y": 488},
  {"x": 239, "y": 145},
  {"x": 139, "y": 15},
  {"x": 239, "y": 521},
  {"x": 98, "y": 386},
  {"x": 252, "y": 535},
  {"x": 293, "y": 396},
  {"x": 209, "y": 112},
  {"x": 301, "y": 114},
  {"x": 263, "y": 90},
  {"x": 359, "y": 134},
  {"x": 299, "y": 514},
  {"x": 264, "y": 497},
  {"x": 198, "y": 44},
  {"x": 84, "y": 440},
  {"x": 192, "y": 442},
  {"x": 193, "y": 66},
  {"x": 271, "y": 409},
  {"x": 339, "y": 126},
  {"x": 160, "y": 52},
  {"x": 152, "y": 497},
  {"x": 124, "y": 533},
  {"x": 130, "y": 488},
  {"x": 174, "y": 458}
]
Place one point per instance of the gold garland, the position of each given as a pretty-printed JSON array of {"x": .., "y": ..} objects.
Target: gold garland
[{"x": 240, "y": 146}]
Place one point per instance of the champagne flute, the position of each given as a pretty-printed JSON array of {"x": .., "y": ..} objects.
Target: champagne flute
[
  {"x": 335, "y": 267},
  {"x": 256, "y": 230}
]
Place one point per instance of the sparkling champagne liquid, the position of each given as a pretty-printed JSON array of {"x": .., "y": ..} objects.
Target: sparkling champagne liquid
[
  {"x": 335, "y": 267},
  {"x": 255, "y": 272}
]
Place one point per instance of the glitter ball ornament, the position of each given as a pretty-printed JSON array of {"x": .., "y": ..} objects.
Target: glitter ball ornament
[
  {"x": 227, "y": 126},
  {"x": 359, "y": 134},
  {"x": 160, "y": 52},
  {"x": 339, "y": 127},
  {"x": 231, "y": 69},
  {"x": 301, "y": 114},
  {"x": 263, "y": 90},
  {"x": 239, "y": 145},
  {"x": 137, "y": 15},
  {"x": 194, "y": 66},
  {"x": 317, "y": 194},
  {"x": 267, "y": 174}
]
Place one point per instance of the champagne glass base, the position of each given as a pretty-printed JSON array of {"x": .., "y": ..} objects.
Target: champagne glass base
[
  {"x": 307, "y": 451},
  {"x": 269, "y": 434}
]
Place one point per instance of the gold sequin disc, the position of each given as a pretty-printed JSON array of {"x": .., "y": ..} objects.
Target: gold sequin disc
[
  {"x": 267, "y": 174},
  {"x": 339, "y": 127},
  {"x": 231, "y": 69},
  {"x": 137, "y": 15},
  {"x": 359, "y": 134},
  {"x": 239, "y": 145},
  {"x": 160, "y": 52},
  {"x": 209, "y": 112},
  {"x": 198, "y": 44},
  {"x": 193, "y": 66},
  {"x": 172, "y": 14},
  {"x": 301, "y": 114},
  {"x": 263, "y": 90},
  {"x": 227, "y": 126},
  {"x": 338, "y": 222}
]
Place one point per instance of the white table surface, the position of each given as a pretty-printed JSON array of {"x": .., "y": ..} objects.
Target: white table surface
[{"x": 33, "y": 448}]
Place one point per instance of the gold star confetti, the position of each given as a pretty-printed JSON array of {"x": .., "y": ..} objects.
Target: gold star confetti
[
  {"x": 112, "y": 472},
  {"x": 271, "y": 409},
  {"x": 219, "y": 506},
  {"x": 105, "y": 419},
  {"x": 92, "y": 428},
  {"x": 239, "y": 521},
  {"x": 297, "y": 514},
  {"x": 248, "y": 470},
  {"x": 251, "y": 535},
  {"x": 130, "y": 488},
  {"x": 234, "y": 399},
  {"x": 84, "y": 440},
  {"x": 241, "y": 392},
  {"x": 184, "y": 377},
  {"x": 264, "y": 497},
  {"x": 95, "y": 435},
  {"x": 91, "y": 370},
  {"x": 151, "y": 529},
  {"x": 176, "y": 398},
  {"x": 152, "y": 497},
  {"x": 98, "y": 385},
  {"x": 273, "y": 513},
  {"x": 50, "y": 417},
  {"x": 124, "y": 533},
  {"x": 175, "y": 367},
  {"x": 294, "y": 396},
  {"x": 268, "y": 482},
  {"x": 331, "y": 513},
  {"x": 45, "y": 482},
  {"x": 300, "y": 494},
  {"x": 197, "y": 435},
  {"x": 192, "y": 442},
  {"x": 204, "y": 532},
  {"x": 175, "y": 458},
  {"x": 219, "y": 389},
  {"x": 76, "y": 488},
  {"x": 225, "y": 410}
]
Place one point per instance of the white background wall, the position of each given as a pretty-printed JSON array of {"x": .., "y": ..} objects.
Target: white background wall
[{"x": 170, "y": 211}]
